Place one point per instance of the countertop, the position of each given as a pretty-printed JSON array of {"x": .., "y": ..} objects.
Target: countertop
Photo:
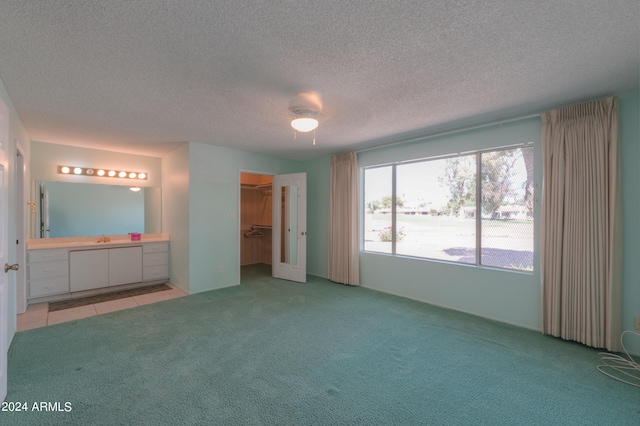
[{"x": 85, "y": 242}]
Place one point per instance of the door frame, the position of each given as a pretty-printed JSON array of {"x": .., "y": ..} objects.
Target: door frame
[
  {"x": 299, "y": 277},
  {"x": 7, "y": 321},
  {"x": 22, "y": 227}
]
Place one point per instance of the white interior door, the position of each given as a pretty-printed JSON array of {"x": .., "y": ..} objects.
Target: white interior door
[
  {"x": 290, "y": 227},
  {"x": 4, "y": 247}
]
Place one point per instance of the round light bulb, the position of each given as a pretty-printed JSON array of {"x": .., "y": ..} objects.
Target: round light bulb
[
  {"x": 111, "y": 173},
  {"x": 133, "y": 175},
  {"x": 90, "y": 172},
  {"x": 122, "y": 174},
  {"x": 101, "y": 172},
  {"x": 77, "y": 170},
  {"x": 65, "y": 169},
  {"x": 142, "y": 175},
  {"x": 304, "y": 124}
]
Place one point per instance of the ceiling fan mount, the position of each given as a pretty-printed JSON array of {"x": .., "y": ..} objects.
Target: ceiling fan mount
[{"x": 306, "y": 110}]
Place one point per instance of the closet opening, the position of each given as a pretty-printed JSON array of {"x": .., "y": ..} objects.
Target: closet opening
[{"x": 256, "y": 195}]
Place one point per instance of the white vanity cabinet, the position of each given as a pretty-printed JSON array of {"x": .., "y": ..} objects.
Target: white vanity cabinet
[
  {"x": 57, "y": 273},
  {"x": 125, "y": 265},
  {"x": 48, "y": 272},
  {"x": 155, "y": 261},
  {"x": 89, "y": 269}
]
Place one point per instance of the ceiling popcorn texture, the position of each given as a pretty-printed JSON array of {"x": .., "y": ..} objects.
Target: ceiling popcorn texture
[{"x": 145, "y": 76}]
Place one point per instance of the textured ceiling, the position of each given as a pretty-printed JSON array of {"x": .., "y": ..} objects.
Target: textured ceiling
[{"x": 144, "y": 76}]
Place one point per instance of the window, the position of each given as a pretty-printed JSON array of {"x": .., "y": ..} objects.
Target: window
[{"x": 473, "y": 209}]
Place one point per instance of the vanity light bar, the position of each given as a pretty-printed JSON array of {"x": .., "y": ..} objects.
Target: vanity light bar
[{"x": 85, "y": 171}]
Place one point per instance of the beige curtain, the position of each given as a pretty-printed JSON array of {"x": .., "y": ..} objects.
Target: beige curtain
[
  {"x": 344, "y": 265},
  {"x": 581, "y": 224}
]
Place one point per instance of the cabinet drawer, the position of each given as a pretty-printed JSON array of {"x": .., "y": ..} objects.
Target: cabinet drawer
[
  {"x": 47, "y": 255},
  {"x": 155, "y": 247},
  {"x": 48, "y": 269},
  {"x": 155, "y": 272},
  {"x": 152, "y": 259},
  {"x": 49, "y": 286}
]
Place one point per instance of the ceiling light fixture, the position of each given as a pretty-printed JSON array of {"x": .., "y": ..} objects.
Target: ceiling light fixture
[
  {"x": 306, "y": 109},
  {"x": 304, "y": 124}
]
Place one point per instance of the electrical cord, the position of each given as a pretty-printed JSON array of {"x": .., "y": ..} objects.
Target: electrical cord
[{"x": 619, "y": 367}]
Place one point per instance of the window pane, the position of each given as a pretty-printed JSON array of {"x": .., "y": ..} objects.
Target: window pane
[
  {"x": 377, "y": 209},
  {"x": 507, "y": 208},
  {"x": 436, "y": 209}
]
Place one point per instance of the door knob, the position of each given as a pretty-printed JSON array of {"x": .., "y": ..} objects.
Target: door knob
[{"x": 13, "y": 267}]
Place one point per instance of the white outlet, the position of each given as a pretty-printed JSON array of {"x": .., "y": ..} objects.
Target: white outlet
[
  {"x": 220, "y": 268},
  {"x": 636, "y": 323}
]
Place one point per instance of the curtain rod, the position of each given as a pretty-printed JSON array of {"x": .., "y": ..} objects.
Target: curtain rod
[{"x": 448, "y": 132}]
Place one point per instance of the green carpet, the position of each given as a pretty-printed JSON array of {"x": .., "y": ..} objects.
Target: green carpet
[{"x": 276, "y": 352}]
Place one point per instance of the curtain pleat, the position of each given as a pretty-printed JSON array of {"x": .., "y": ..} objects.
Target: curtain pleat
[
  {"x": 344, "y": 264},
  {"x": 581, "y": 224}
]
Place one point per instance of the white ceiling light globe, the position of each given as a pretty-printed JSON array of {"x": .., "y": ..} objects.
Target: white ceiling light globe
[{"x": 304, "y": 124}]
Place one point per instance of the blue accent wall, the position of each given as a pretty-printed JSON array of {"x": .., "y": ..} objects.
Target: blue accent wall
[
  {"x": 629, "y": 115},
  {"x": 507, "y": 296},
  {"x": 214, "y": 208},
  {"x": 318, "y": 184}
]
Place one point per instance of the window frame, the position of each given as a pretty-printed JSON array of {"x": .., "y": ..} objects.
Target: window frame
[{"x": 478, "y": 206}]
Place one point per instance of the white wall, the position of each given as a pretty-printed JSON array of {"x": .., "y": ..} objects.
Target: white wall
[{"x": 175, "y": 213}]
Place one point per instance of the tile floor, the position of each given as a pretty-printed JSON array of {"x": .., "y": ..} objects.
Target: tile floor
[{"x": 38, "y": 314}]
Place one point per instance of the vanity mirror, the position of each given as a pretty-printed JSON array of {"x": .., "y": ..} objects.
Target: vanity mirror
[{"x": 66, "y": 209}]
